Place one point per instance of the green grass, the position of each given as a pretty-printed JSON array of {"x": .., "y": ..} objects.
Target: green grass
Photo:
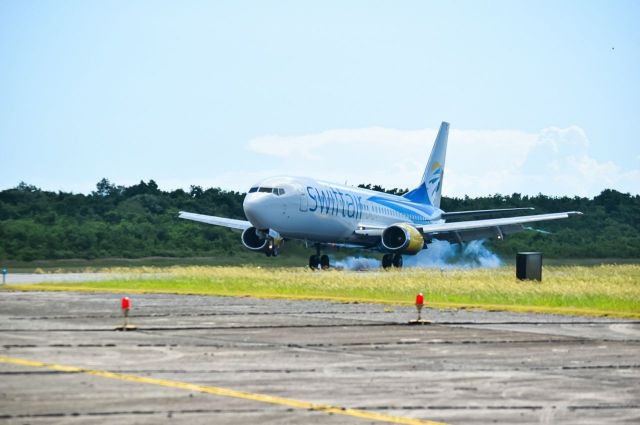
[
  {"x": 72, "y": 265},
  {"x": 244, "y": 259},
  {"x": 606, "y": 290}
]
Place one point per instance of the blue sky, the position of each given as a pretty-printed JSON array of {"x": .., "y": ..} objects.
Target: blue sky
[{"x": 541, "y": 96}]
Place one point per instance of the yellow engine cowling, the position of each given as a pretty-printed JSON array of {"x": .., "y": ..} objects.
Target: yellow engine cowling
[{"x": 403, "y": 239}]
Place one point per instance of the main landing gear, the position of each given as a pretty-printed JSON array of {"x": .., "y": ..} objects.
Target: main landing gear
[
  {"x": 389, "y": 260},
  {"x": 318, "y": 260}
]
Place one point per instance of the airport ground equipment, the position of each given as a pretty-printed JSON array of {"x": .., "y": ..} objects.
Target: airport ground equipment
[{"x": 529, "y": 266}]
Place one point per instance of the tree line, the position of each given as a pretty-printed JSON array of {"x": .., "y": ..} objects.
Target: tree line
[{"x": 141, "y": 221}]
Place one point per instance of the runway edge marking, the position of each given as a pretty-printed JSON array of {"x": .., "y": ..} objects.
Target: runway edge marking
[{"x": 225, "y": 392}]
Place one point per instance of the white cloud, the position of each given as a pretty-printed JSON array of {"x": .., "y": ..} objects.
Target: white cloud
[{"x": 553, "y": 161}]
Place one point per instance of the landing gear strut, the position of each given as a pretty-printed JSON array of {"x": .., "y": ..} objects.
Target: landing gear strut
[
  {"x": 272, "y": 250},
  {"x": 318, "y": 260},
  {"x": 394, "y": 260}
]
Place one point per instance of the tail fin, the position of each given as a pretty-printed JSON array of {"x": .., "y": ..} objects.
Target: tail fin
[{"x": 430, "y": 188}]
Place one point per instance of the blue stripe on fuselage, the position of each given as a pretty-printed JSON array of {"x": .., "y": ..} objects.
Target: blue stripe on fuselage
[{"x": 407, "y": 208}]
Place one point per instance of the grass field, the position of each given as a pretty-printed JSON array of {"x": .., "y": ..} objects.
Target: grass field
[
  {"x": 606, "y": 290},
  {"x": 81, "y": 265},
  {"x": 248, "y": 259}
]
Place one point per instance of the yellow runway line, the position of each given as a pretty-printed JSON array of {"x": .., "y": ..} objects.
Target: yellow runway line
[{"x": 225, "y": 392}]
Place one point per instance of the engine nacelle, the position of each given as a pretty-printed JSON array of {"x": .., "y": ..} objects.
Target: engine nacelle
[
  {"x": 268, "y": 242},
  {"x": 252, "y": 240},
  {"x": 402, "y": 238}
]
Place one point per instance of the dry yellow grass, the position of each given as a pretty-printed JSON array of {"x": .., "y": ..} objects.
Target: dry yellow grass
[{"x": 607, "y": 290}]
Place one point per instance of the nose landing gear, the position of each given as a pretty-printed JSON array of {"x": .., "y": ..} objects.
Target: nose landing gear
[{"x": 271, "y": 250}]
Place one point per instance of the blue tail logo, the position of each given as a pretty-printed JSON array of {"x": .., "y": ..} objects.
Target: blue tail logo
[
  {"x": 430, "y": 189},
  {"x": 434, "y": 182}
]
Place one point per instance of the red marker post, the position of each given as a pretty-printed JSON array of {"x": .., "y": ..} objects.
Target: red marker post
[
  {"x": 419, "y": 304},
  {"x": 125, "y": 305}
]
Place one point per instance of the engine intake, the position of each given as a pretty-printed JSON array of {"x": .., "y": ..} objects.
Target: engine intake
[
  {"x": 402, "y": 238},
  {"x": 267, "y": 241},
  {"x": 253, "y": 241}
]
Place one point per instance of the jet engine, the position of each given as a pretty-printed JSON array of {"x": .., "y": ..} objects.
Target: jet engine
[
  {"x": 402, "y": 238},
  {"x": 267, "y": 241}
]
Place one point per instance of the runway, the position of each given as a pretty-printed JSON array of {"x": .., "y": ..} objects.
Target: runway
[
  {"x": 231, "y": 360},
  {"x": 30, "y": 278}
]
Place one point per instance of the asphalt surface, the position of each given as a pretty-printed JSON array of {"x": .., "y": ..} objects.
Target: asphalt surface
[
  {"x": 465, "y": 368},
  {"x": 29, "y": 278}
]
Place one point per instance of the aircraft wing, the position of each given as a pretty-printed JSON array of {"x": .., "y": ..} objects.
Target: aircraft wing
[
  {"x": 464, "y": 231},
  {"x": 216, "y": 221},
  {"x": 458, "y": 214},
  {"x": 365, "y": 229}
]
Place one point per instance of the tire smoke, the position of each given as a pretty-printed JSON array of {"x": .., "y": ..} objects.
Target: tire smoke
[
  {"x": 439, "y": 254},
  {"x": 444, "y": 255}
]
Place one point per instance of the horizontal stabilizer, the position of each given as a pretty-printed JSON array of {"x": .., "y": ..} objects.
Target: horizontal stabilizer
[{"x": 544, "y": 232}]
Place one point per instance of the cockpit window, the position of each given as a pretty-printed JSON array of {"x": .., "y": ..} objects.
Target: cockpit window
[{"x": 275, "y": 190}]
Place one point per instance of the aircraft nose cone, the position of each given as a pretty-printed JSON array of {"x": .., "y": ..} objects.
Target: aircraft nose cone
[{"x": 253, "y": 207}]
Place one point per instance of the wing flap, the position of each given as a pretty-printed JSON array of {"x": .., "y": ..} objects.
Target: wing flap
[
  {"x": 465, "y": 231},
  {"x": 459, "y": 236},
  {"x": 459, "y": 214}
]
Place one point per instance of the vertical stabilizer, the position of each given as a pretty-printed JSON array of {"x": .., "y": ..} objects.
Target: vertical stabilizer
[{"x": 430, "y": 189}]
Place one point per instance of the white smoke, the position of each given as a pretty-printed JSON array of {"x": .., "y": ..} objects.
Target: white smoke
[
  {"x": 439, "y": 254},
  {"x": 358, "y": 263},
  {"x": 442, "y": 254}
]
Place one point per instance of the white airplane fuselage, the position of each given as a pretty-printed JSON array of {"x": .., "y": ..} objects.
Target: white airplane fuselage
[
  {"x": 322, "y": 213},
  {"x": 319, "y": 211}
]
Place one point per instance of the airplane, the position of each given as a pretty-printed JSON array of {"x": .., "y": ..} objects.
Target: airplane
[{"x": 324, "y": 214}]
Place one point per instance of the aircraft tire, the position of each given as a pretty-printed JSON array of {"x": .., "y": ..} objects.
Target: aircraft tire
[
  {"x": 324, "y": 262},
  {"x": 314, "y": 262},
  {"x": 387, "y": 261},
  {"x": 397, "y": 261}
]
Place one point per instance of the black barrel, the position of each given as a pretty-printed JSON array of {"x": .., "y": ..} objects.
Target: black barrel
[{"x": 529, "y": 265}]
